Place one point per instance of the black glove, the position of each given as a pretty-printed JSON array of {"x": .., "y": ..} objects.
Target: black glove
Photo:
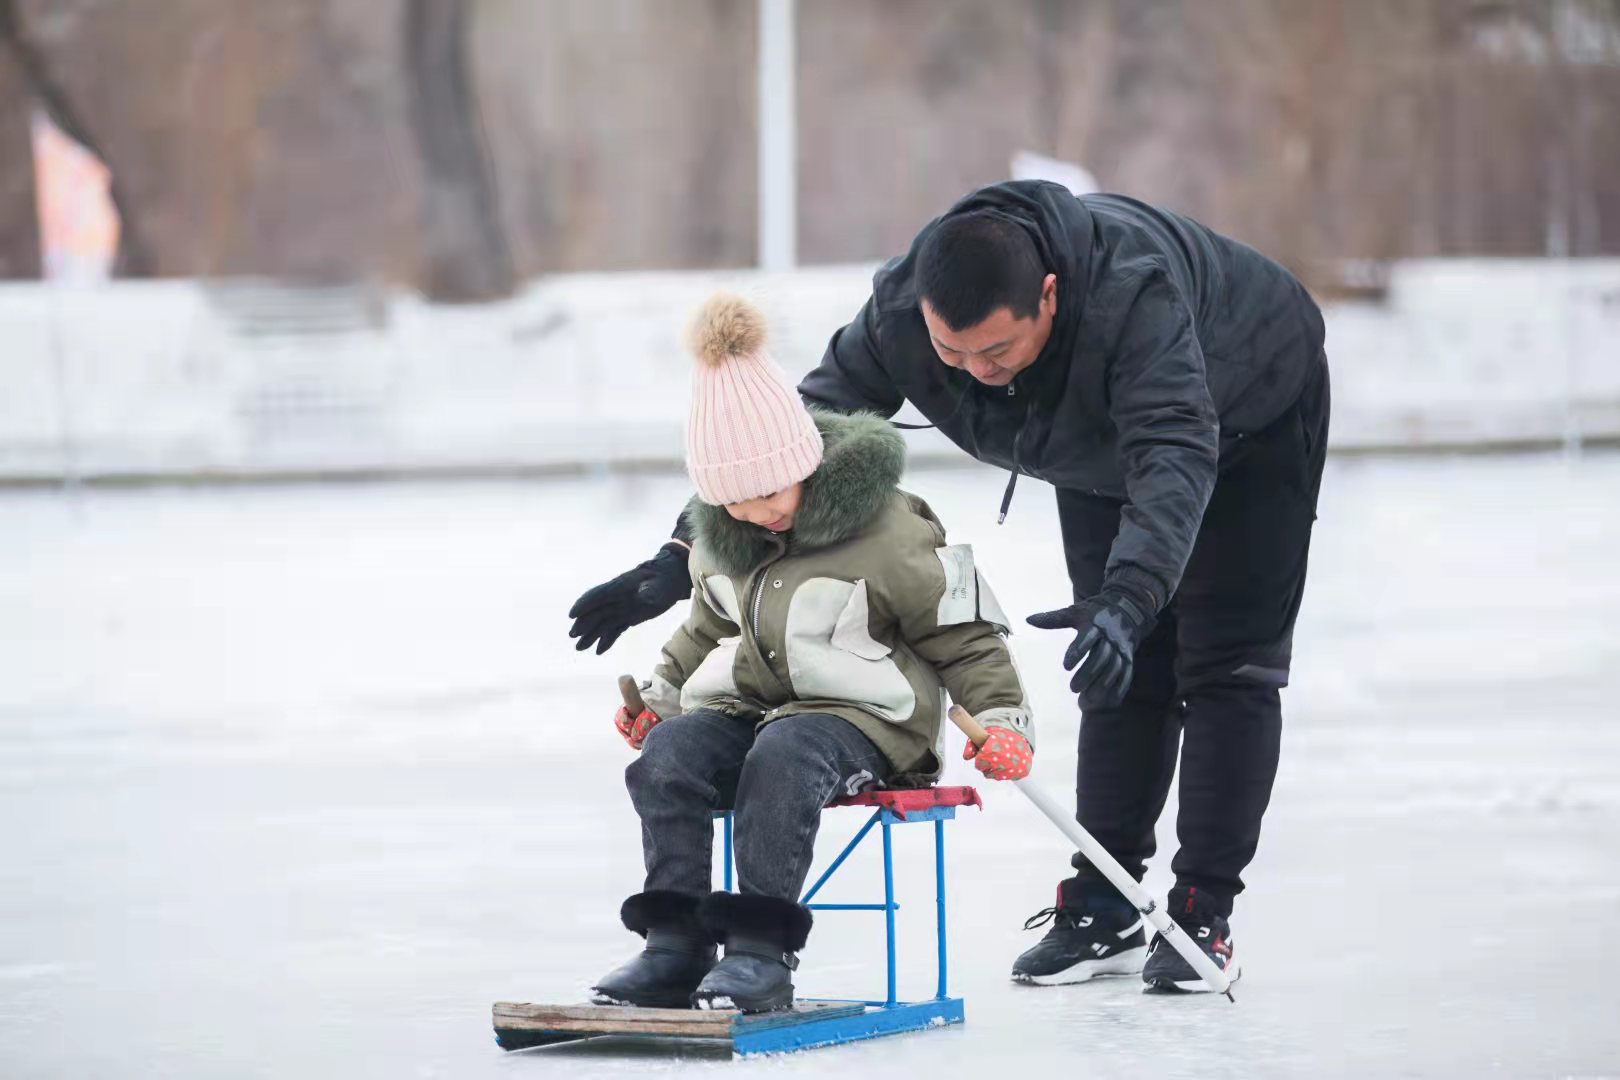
[
  {"x": 1110, "y": 628},
  {"x": 635, "y": 596}
]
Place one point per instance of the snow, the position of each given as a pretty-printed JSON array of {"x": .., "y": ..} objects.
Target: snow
[
  {"x": 298, "y": 780},
  {"x": 178, "y": 378}
]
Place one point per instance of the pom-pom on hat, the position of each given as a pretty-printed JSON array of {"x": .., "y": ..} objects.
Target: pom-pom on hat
[{"x": 747, "y": 433}]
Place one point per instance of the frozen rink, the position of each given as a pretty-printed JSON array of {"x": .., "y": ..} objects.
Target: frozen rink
[{"x": 296, "y": 781}]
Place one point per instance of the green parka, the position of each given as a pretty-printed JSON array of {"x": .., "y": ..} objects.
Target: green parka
[{"x": 862, "y": 610}]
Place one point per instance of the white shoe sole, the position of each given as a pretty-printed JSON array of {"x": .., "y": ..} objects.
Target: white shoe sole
[
  {"x": 1234, "y": 972},
  {"x": 1128, "y": 962}
]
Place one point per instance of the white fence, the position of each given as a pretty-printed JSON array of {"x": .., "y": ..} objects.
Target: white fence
[{"x": 181, "y": 379}]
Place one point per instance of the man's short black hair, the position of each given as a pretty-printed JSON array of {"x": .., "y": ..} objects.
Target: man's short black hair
[{"x": 974, "y": 263}]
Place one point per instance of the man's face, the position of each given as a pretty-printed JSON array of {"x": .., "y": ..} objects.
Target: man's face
[{"x": 1000, "y": 346}]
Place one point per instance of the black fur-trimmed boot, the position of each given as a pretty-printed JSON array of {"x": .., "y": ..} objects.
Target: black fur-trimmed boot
[
  {"x": 678, "y": 954},
  {"x": 761, "y": 934}
]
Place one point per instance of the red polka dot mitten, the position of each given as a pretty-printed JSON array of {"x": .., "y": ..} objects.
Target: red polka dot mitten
[
  {"x": 1005, "y": 755},
  {"x": 634, "y": 729}
]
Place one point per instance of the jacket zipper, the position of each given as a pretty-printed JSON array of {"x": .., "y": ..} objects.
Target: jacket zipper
[
  {"x": 765, "y": 655},
  {"x": 759, "y": 589},
  {"x": 759, "y": 599}
]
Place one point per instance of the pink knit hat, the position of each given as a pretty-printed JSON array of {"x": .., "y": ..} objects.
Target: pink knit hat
[{"x": 747, "y": 435}]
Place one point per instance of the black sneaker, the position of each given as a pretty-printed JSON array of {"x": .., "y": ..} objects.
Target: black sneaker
[
  {"x": 1090, "y": 936},
  {"x": 1195, "y": 913}
]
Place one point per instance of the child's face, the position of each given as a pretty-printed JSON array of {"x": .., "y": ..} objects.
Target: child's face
[{"x": 773, "y": 512}]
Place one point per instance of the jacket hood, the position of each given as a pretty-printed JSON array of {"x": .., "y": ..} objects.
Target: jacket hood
[
  {"x": 862, "y": 459},
  {"x": 1061, "y": 228}
]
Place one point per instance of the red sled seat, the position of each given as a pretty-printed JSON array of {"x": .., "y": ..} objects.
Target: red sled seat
[{"x": 907, "y": 800}]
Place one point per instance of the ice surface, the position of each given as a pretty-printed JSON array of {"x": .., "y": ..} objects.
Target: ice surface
[{"x": 297, "y": 781}]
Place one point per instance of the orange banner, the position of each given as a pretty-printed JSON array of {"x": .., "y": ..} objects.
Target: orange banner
[{"x": 78, "y": 226}]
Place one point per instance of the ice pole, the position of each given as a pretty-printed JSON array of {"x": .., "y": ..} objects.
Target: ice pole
[{"x": 1115, "y": 873}]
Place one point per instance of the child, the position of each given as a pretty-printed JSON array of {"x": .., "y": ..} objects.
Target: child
[{"x": 826, "y": 614}]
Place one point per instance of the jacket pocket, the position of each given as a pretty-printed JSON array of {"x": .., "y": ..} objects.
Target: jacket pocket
[
  {"x": 715, "y": 677},
  {"x": 721, "y": 594},
  {"x": 833, "y": 656},
  {"x": 852, "y": 631}
]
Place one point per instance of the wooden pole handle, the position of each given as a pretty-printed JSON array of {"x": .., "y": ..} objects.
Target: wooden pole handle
[
  {"x": 970, "y": 727},
  {"x": 630, "y": 691}
]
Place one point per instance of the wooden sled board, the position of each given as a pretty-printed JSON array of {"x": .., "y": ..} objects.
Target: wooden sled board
[
  {"x": 807, "y": 1025},
  {"x": 521, "y": 1024}
]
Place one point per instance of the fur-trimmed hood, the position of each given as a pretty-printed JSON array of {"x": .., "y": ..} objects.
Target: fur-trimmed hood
[{"x": 862, "y": 459}]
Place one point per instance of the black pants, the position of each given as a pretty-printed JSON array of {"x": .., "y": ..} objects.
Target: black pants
[
  {"x": 1208, "y": 675},
  {"x": 778, "y": 780}
]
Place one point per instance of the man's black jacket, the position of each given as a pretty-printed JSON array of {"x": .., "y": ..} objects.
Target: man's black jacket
[{"x": 1171, "y": 344}]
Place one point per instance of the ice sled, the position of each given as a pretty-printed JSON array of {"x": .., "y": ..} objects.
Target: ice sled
[{"x": 811, "y": 1023}]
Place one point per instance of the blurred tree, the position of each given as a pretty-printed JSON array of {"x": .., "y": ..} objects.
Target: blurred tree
[
  {"x": 27, "y": 82},
  {"x": 243, "y": 137},
  {"x": 1317, "y": 130},
  {"x": 461, "y": 146},
  {"x": 622, "y": 131},
  {"x": 464, "y": 250},
  {"x": 19, "y": 220}
]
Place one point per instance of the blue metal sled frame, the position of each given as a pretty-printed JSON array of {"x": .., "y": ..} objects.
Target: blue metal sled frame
[
  {"x": 875, "y": 1021},
  {"x": 888, "y": 1016},
  {"x": 810, "y": 1024}
]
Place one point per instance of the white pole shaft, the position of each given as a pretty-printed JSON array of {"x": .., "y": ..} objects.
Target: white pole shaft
[
  {"x": 1098, "y": 856},
  {"x": 778, "y": 137}
]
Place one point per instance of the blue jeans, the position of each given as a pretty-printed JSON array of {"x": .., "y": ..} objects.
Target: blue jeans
[{"x": 778, "y": 781}]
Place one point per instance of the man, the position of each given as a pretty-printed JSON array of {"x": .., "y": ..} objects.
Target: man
[{"x": 1170, "y": 383}]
